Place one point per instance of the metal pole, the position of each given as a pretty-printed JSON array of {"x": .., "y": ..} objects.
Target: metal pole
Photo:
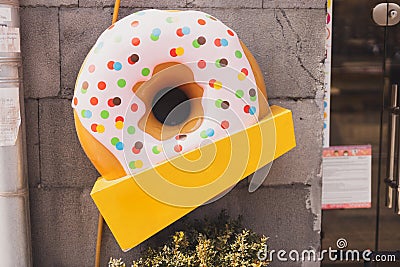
[{"x": 15, "y": 241}]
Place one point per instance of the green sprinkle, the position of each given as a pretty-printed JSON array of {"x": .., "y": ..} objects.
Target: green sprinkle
[
  {"x": 196, "y": 44},
  {"x": 203, "y": 134},
  {"x": 121, "y": 83},
  {"x": 154, "y": 38},
  {"x": 132, "y": 165},
  {"x": 114, "y": 141},
  {"x": 145, "y": 71},
  {"x": 218, "y": 103},
  {"x": 131, "y": 130},
  {"x": 105, "y": 114},
  {"x": 239, "y": 93}
]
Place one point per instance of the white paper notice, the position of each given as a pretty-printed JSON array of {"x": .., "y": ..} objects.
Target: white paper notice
[
  {"x": 346, "y": 181},
  {"x": 10, "y": 116},
  {"x": 9, "y": 40},
  {"x": 5, "y": 14}
]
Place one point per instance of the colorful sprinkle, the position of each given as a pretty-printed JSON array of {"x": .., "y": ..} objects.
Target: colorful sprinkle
[
  {"x": 238, "y": 54},
  {"x": 134, "y": 23},
  {"x": 172, "y": 52},
  {"x": 225, "y": 105},
  {"x": 156, "y": 149},
  {"x": 135, "y": 41},
  {"x": 91, "y": 68},
  {"x": 138, "y": 145},
  {"x": 136, "y": 164},
  {"x": 119, "y": 125},
  {"x": 104, "y": 114},
  {"x": 215, "y": 84},
  {"x": 195, "y": 44},
  {"x": 181, "y": 137},
  {"x": 87, "y": 114},
  {"x": 85, "y": 85},
  {"x": 241, "y": 76},
  {"x": 101, "y": 85},
  {"x": 134, "y": 107},
  {"x": 250, "y": 109},
  {"x": 75, "y": 101},
  {"x": 201, "y": 64},
  {"x": 224, "y": 42},
  {"x": 119, "y": 118},
  {"x": 114, "y": 141},
  {"x": 239, "y": 93},
  {"x": 185, "y": 30},
  {"x": 201, "y": 40},
  {"x": 132, "y": 165},
  {"x": 230, "y": 32},
  {"x": 201, "y": 21},
  {"x": 225, "y": 124},
  {"x": 100, "y": 128},
  {"x": 133, "y": 59},
  {"x": 207, "y": 133},
  {"x": 178, "y": 148},
  {"x": 94, "y": 101},
  {"x": 93, "y": 127},
  {"x": 110, "y": 65},
  {"x": 210, "y": 132},
  {"x": 156, "y": 32},
  {"x": 131, "y": 130},
  {"x": 145, "y": 72},
  {"x": 179, "y": 32},
  {"x": 180, "y": 51},
  {"x": 117, "y": 66},
  {"x": 154, "y": 38},
  {"x": 121, "y": 83},
  {"x": 135, "y": 150},
  {"x": 119, "y": 146},
  {"x": 218, "y": 103}
]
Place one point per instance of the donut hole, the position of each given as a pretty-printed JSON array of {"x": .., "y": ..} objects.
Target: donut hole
[{"x": 171, "y": 106}]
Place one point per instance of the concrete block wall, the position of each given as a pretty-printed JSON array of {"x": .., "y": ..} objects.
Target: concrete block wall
[{"x": 287, "y": 39}]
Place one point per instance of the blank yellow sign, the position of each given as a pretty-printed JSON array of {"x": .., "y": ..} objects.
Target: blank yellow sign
[{"x": 137, "y": 207}]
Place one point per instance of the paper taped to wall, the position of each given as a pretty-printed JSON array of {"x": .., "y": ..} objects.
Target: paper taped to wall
[
  {"x": 346, "y": 181},
  {"x": 10, "y": 116},
  {"x": 5, "y": 14},
  {"x": 9, "y": 40}
]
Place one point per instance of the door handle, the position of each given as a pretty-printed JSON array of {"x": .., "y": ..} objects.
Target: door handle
[
  {"x": 386, "y": 14},
  {"x": 392, "y": 146}
]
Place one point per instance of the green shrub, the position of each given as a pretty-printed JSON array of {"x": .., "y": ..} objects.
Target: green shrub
[{"x": 221, "y": 242}]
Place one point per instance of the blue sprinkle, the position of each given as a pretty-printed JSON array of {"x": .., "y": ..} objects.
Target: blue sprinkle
[
  {"x": 156, "y": 32},
  {"x": 325, "y": 104},
  {"x": 117, "y": 66},
  {"x": 120, "y": 146},
  {"x": 324, "y": 125},
  {"x": 210, "y": 132},
  {"x": 88, "y": 114},
  {"x": 252, "y": 110},
  {"x": 224, "y": 42},
  {"x": 185, "y": 30}
]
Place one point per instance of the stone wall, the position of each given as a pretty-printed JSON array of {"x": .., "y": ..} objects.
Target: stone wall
[{"x": 287, "y": 39}]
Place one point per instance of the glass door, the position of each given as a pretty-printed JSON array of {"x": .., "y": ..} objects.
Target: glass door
[{"x": 365, "y": 63}]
